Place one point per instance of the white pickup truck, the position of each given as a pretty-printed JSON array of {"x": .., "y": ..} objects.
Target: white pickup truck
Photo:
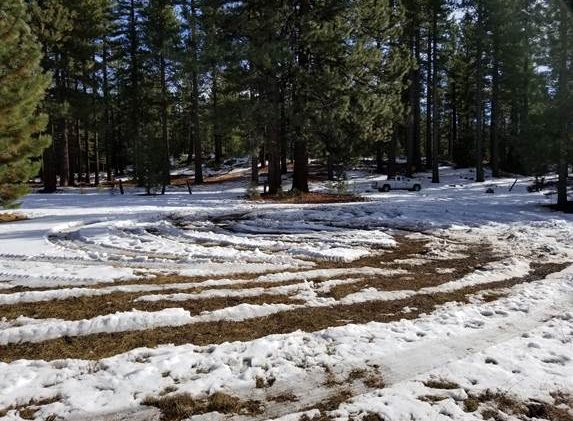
[{"x": 397, "y": 183}]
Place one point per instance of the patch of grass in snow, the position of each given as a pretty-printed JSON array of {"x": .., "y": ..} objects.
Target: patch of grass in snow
[
  {"x": 374, "y": 381},
  {"x": 311, "y": 198},
  {"x": 92, "y": 306},
  {"x": 490, "y": 296},
  {"x": 372, "y": 417},
  {"x": 371, "y": 378},
  {"x": 441, "y": 383},
  {"x": 334, "y": 400},
  {"x": 499, "y": 404},
  {"x": 418, "y": 277},
  {"x": 262, "y": 383},
  {"x": 182, "y": 406},
  {"x": 12, "y": 217},
  {"x": 28, "y": 410},
  {"x": 432, "y": 398},
  {"x": 283, "y": 398}
]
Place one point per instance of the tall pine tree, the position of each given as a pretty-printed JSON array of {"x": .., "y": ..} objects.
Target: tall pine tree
[{"x": 22, "y": 87}]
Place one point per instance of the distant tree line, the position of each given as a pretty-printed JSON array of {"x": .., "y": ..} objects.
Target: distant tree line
[{"x": 141, "y": 85}]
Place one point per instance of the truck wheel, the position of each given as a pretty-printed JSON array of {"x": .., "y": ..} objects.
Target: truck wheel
[
  {"x": 385, "y": 188},
  {"x": 417, "y": 187}
]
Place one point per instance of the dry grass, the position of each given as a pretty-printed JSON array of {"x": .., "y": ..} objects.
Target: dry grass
[
  {"x": 334, "y": 400},
  {"x": 283, "y": 398},
  {"x": 497, "y": 405},
  {"x": 419, "y": 277},
  {"x": 181, "y": 180},
  {"x": 92, "y": 306},
  {"x": 12, "y": 217},
  {"x": 440, "y": 383},
  {"x": 308, "y": 319},
  {"x": 432, "y": 398},
  {"x": 370, "y": 378},
  {"x": 28, "y": 411},
  {"x": 311, "y": 198},
  {"x": 179, "y": 407}
]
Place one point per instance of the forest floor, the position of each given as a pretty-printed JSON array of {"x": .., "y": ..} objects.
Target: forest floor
[{"x": 446, "y": 304}]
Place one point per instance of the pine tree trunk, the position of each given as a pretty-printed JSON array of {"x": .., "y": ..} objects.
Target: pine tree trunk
[
  {"x": 455, "y": 122},
  {"x": 217, "y": 138},
  {"x": 413, "y": 122},
  {"x": 197, "y": 147},
  {"x": 49, "y": 177},
  {"x": 392, "y": 152},
  {"x": 300, "y": 174},
  {"x": 416, "y": 105},
  {"x": 73, "y": 153},
  {"x": 435, "y": 112},
  {"x": 300, "y": 171},
  {"x": 62, "y": 144},
  {"x": 134, "y": 73},
  {"x": 379, "y": 157},
  {"x": 479, "y": 105},
  {"x": 275, "y": 179},
  {"x": 164, "y": 122},
  {"x": 284, "y": 132},
  {"x": 64, "y": 154},
  {"x": 564, "y": 104},
  {"x": 79, "y": 150},
  {"x": 429, "y": 100},
  {"x": 96, "y": 158},
  {"x": 494, "y": 127},
  {"x": 106, "y": 115},
  {"x": 329, "y": 167},
  {"x": 254, "y": 160}
]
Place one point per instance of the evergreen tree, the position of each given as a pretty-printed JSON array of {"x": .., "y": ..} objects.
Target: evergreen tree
[
  {"x": 162, "y": 40},
  {"x": 564, "y": 101},
  {"x": 22, "y": 87}
]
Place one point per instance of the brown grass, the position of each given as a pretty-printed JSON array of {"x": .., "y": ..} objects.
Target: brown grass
[
  {"x": 333, "y": 402},
  {"x": 285, "y": 397},
  {"x": 311, "y": 198},
  {"x": 307, "y": 319},
  {"x": 419, "y": 277},
  {"x": 432, "y": 398},
  {"x": 12, "y": 217},
  {"x": 181, "y": 180},
  {"x": 92, "y": 306},
  {"x": 497, "y": 404},
  {"x": 244, "y": 280},
  {"x": 28, "y": 411},
  {"x": 441, "y": 384},
  {"x": 179, "y": 407}
]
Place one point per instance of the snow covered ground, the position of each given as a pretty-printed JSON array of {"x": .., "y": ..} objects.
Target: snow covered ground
[{"x": 438, "y": 305}]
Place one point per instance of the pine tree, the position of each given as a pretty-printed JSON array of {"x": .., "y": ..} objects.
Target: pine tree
[
  {"x": 162, "y": 40},
  {"x": 22, "y": 87},
  {"x": 564, "y": 103}
]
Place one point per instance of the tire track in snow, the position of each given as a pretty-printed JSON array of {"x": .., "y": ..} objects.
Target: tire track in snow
[{"x": 413, "y": 361}]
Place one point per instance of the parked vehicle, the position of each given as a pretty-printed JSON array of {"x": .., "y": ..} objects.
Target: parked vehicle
[{"x": 397, "y": 183}]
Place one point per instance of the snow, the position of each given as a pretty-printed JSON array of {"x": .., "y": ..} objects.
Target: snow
[
  {"x": 79, "y": 244},
  {"x": 32, "y": 330}
]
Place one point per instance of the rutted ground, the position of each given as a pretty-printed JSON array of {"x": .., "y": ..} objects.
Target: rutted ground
[{"x": 205, "y": 281}]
